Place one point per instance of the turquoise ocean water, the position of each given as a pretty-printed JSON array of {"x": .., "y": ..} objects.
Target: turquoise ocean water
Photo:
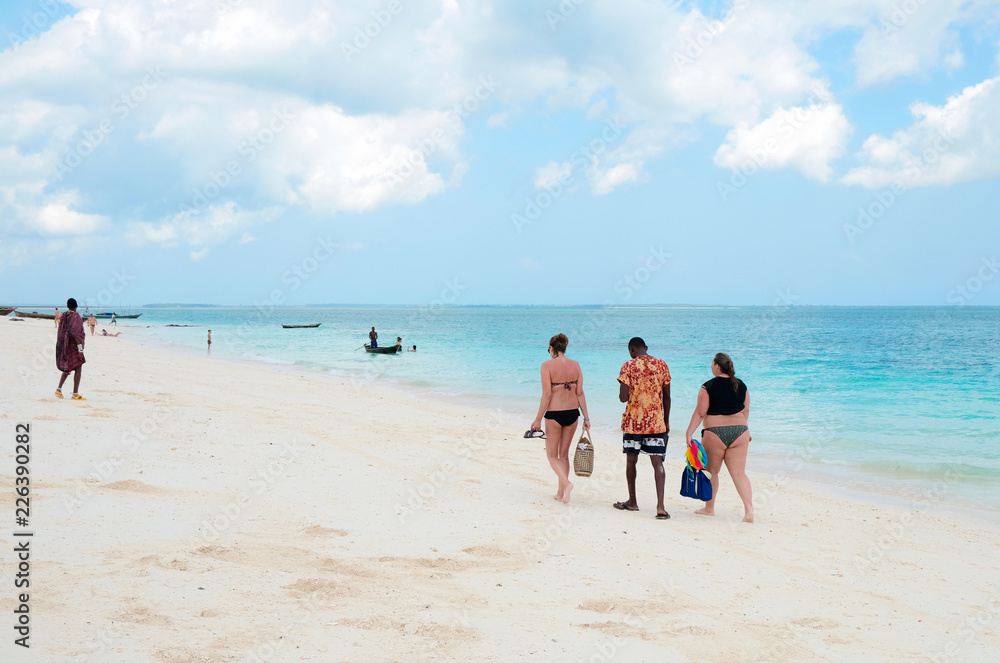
[{"x": 895, "y": 400}]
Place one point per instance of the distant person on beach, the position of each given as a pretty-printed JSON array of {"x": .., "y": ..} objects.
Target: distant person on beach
[
  {"x": 413, "y": 349},
  {"x": 92, "y": 323},
  {"x": 373, "y": 337},
  {"x": 70, "y": 340},
  {"x": 724, "y": 408},
  {"x": 56, "y": 317},
  {"x": 104, "y": 332},
  {"x": 114, "y": 320},
  {"x": 644, "y": 384},
  {"x": 562, "y": 400},
  {"x": 209, "y": 339}
]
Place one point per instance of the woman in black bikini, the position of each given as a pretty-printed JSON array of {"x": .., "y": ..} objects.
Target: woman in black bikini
[
  {"x": 562, "y": 400},
  {"x": 724, "y": 407}
]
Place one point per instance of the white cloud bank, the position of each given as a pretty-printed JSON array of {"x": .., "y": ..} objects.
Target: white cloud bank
[
  {"x": 184, "y": 93},
  {"x": 955, "y": 142},
  {"x": 58, "y": 219},
  {"x": 806, "y": 138}
]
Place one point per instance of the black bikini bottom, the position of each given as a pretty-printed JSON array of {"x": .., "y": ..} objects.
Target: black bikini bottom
[
  {"x": 563, "y": 417},
  {"x": 728, "y": 434}
]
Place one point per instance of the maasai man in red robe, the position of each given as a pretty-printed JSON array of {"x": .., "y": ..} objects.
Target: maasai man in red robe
[{"x": 69, "y": 349}]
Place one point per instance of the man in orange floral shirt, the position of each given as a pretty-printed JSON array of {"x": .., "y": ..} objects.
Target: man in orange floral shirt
[{"x": 644, "y": 384}]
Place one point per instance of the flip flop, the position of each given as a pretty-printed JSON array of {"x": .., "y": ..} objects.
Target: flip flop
[
  {"x": 663, "y": 516},
  {"x": 622, "y": 506},
  {"x": 534, "y": 433},
  {"x": 59, "y": 393}
]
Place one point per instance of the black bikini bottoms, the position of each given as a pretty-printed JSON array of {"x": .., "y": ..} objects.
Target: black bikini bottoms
[
  {"x": 563, "y": 417},
  {"x": 728, "y": 434}
]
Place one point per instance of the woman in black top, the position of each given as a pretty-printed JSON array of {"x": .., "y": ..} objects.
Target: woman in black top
[{"x": 724, "y": 408}]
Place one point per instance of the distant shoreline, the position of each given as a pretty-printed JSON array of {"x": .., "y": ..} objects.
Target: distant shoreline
[{"x": 713, "y": 307}]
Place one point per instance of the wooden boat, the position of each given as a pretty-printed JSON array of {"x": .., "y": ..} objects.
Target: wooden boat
[
  {"x": 117, "y": 317},
  {"x": 302, "y": 326},
  {"x": 40, "y": 316},
  {"x": 5, "y": 310},
  {"x": 387, "y": 350}
]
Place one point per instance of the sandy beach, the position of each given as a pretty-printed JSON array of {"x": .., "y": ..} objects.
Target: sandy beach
[{"x": 195, "y": 509}]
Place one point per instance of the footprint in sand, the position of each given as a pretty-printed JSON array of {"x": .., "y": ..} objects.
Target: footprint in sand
[
  {"x": 320, "y": 586},
  {"x": 133, "y": 486},
  {"x": 318, "y": 530},
  {"x": 486, "y": 551}
]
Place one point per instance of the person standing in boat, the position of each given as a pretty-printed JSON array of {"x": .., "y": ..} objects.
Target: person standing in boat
[
  {"x": 373, "y": 337},
  {"x": 69, "y": 349}
]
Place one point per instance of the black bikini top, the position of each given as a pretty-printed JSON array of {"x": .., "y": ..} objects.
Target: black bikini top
[{"x": 565, "y": 384}]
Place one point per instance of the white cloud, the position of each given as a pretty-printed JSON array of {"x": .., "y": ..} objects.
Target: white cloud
[
  {"x": 330, "y": 161},
  {"x": 954, "y": 142},
  {"x": 363, "y": 134},
  {"x": 670, "y": 68},
  {"x": 806, "y": 138},
  {"x": 909, "y": 38},
  {"x": 955, "y": 60},
  {"x": 552, "y": 174},
  {"x": 215, "y": 224},
  {"x": 606, "y": 181},
  {"x": 225, "y": 72},
  {"x": 22, "y": 176},
  {"x": 14, "y": 253},
  {"x": 58, "y": 219}
]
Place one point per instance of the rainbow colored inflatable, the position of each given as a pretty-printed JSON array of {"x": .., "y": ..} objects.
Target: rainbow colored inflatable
[{"x": 696, "y": 456}]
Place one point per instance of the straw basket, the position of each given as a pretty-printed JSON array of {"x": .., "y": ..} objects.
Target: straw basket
[{"x": 583, "y": 459}]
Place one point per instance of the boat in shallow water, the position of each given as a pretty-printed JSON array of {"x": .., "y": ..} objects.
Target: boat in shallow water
[
  {"x": 302, "y": 326},
  {"x": 388, "y": 350},
  {"x": 35, "y": 314},
  {"x": 117, "y": 317}
]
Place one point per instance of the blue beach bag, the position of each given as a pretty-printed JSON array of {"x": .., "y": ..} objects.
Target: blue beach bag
[{"x": 696, "y": 484}]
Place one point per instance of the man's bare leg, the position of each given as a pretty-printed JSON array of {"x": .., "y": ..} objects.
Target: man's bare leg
[
  {"x": 660, "y": 476},
  {"x": 76, "y": 379},
  {"x": 631, "y": 504}
]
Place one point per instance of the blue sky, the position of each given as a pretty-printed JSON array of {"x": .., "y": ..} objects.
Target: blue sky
[{"x": 631, "y": 152}]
